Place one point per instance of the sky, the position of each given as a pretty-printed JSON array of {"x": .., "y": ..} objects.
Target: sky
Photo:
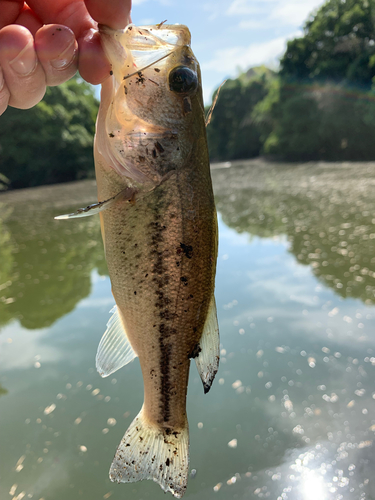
[{"x": 230, "y": 36}]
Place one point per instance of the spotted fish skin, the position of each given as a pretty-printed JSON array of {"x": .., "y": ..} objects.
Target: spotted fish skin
[{"x": 160, "y": 243}]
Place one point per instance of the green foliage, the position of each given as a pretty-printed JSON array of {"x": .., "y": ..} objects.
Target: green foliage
[
  {"x": 51, "y": 142},
  {"x": 319, "y": 122},
  {"x": 297, "y": 113},
  {"x": 263, "y": 113},
  {"x": 338, "y": 45},
  {"x": 323, "y": 104},
  {"x": 232, "y": 132},
  {"x": 45, "y": 265}
]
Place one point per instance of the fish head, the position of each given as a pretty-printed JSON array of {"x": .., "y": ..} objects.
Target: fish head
[{"x": 153, "y": 102}]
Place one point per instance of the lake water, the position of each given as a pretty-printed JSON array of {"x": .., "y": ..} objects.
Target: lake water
[{"x": 291, "y": 414}]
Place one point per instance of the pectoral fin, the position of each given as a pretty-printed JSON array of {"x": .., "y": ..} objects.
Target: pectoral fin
[
  {"x": 114, "y": 349},
  {"x": 207, "y": 360},
  {"x": 95, "y": 208}
]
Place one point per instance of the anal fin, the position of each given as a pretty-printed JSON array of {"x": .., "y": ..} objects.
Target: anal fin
[
  {"x": 114, "y": 350},
  {"x": 207, "y": 360},
  {"x": 150, "y": 452}
]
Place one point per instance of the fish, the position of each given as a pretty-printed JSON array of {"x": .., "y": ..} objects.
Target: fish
[{"x": 160, "y": 235}]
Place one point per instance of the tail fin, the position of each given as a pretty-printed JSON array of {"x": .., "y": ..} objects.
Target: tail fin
[{"x": 148, "y": 452}]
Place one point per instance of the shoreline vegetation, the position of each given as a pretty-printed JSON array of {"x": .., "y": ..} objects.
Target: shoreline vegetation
[
  {"x": 319, "y": 106},
  {"x": 51, "y": 142}
]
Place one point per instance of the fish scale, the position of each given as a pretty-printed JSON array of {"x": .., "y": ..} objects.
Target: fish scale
[{"x": 148, "y": 269}]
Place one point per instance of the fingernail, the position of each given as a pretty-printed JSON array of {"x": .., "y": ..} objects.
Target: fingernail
[
  {"x": 66, "y": 57},
  {"x": 25, "y": 62}
]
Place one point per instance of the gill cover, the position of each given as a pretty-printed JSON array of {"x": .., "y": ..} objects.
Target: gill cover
[{"x": 142, "y": 102}]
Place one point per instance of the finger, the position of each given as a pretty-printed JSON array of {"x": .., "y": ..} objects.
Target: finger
[
  {"x": 57, "y": 51},
  {"x": 71, "y": 13},
  {"x": 115, "y": 13},
  {"x": 22, "y": 73},
  {"x": 28, "y": 19},
  {"x": 10, "y": 10},
  {"x": 93, "y": 65},
  {"x": 4, "y": 94}
]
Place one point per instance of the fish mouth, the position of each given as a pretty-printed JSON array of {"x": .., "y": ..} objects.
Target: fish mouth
[
  {"x": 142, "y": 46},
  {"x": 176, "y": 35}
]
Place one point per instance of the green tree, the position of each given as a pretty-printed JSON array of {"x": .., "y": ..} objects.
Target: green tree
[
  {"x": 232, "y": 132},
  {"x": 323, "y": 106},
  {"x": 338, "y": 45},
  {"x": 51, "y": 142}
]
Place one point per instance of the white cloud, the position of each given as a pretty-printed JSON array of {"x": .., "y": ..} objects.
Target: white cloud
[
  {"x": 252, "y": 24},
  {"x": 25, "y": 349},
  {"x": 241, "y": 7},
  {"x": 213, "y": 10},
  {"x": 294, "y": 12},
  {"x": 226, "y": 61},
  {"x": 271, "y": 13},
  {"x": 208, "y": 90}
]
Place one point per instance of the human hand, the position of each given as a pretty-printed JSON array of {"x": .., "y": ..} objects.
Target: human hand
[{"x": 44, "y": 42}]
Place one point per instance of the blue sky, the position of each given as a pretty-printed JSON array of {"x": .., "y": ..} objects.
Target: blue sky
[{"x": 229, "y": 36}]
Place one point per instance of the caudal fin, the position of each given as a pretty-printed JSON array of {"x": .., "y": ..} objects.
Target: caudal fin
[{"x": 148, "y": 452}]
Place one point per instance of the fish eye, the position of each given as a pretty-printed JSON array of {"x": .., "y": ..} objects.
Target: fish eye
[{"x": 183, "y": 80}]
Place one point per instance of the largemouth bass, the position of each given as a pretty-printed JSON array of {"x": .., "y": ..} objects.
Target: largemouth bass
[{"x": 159, "y": 229}]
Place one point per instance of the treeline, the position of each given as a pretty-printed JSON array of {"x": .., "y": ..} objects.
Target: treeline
[
  {"x": 319, "y": 106},
  {"x": 51, "y": 142}
]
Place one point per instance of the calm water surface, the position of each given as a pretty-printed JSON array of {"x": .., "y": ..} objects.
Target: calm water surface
[{"x": 291, "y": 414}]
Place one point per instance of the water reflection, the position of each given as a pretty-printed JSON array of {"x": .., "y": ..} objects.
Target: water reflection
[
  {"x": 291, "y": 414},
  {"x": 45, "y": 266},
  {"x": 6, "y": 267},
  {"x": 326, "y": 210},
  {"x": 3, "y": 391},
  {"x": 313, "y": 486}
]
